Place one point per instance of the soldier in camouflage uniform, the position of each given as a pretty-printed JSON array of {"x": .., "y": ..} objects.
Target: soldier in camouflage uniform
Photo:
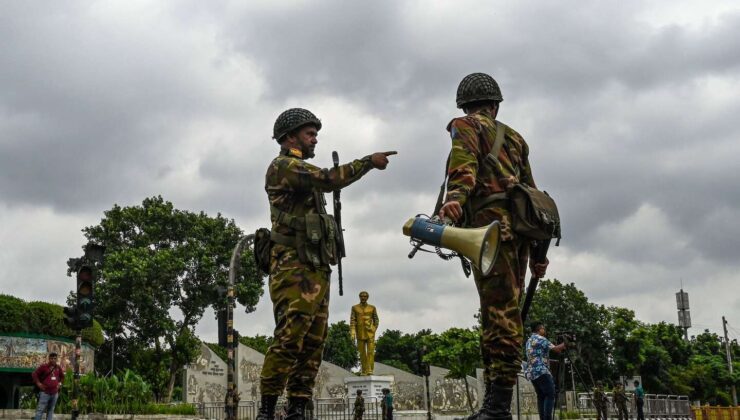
[
  {"x": 600, "y": 401},
  {"x": 479, "y": 186},
  {"x": 620, "y": 402},
  {"x": 303, "y": 248},
  {"x": 359, "y": 409}
]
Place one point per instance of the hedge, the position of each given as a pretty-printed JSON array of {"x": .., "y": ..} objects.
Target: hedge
[{"x": 43, "y": 318}]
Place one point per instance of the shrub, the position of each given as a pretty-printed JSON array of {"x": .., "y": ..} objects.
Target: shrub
[{"x": 17, "y": 316}]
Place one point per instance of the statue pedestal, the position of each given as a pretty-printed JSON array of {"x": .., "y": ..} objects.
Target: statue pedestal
[{"x": 371, "y": 386}]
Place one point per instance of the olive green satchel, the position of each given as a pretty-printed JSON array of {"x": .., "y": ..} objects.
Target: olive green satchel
[{"x": 534, "y": 213}]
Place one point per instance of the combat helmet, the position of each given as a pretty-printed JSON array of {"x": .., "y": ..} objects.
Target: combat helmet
[
  {"x": 477, "y": 87},
  {"x": 292, "y": 119}
]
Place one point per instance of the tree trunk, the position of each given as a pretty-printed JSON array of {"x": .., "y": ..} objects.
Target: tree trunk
[
  {"x": 173, "y": 376},
  {"x": 158, "y": 359},
  {"x": 467, "y": 392}
]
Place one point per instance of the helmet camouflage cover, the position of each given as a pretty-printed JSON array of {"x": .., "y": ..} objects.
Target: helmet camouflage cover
[
  {"x": 477, "y": 87},
  {"x": 292, "y": 119}
]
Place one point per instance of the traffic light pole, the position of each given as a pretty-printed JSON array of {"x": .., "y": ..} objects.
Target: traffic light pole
[
  {"x": 232, "y": 394},
  {"x": 80, "y": 315},
  {"x": 76, "y": 382}
]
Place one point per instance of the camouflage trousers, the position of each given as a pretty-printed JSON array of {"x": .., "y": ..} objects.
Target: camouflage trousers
[
  {"x": 622, "y": 412},
  {"x": 602, "y": 412},
  {"x": 300, "y": 298},
  {"x": 502, "y": 334}
]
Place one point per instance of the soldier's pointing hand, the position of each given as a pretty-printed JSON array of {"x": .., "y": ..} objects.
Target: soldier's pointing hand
[{"x": 380, "y": 159}]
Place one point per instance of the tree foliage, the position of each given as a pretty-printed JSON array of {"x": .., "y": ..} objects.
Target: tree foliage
[
  {"x": 17, "y": 316},
  {"x": 565, "y": 308},
  {"x": 613, "y": 343},
  {"x": 400, "y": 350},
  {"x": 458, "y": 350},
  {"x": 339, "y": 348},
  {"x": 163, "y": 268},
  {"x": 258, "y": 342}
]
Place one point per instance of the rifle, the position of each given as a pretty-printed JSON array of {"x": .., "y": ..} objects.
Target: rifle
[
  {"x": 340, "y": 231},
  {"x": 539, "y": 255}
]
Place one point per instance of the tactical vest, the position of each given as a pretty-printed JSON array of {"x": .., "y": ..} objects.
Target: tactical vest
[{"x": 313, "y": 235}]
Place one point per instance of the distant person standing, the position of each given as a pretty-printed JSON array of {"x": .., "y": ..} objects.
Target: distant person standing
[
  {"x": 620, "y": 402},
  {"x": 48, "y": 378},
  {"x": 359, "y": 406},
  {"x": 387, "y": 404},
  {"x": 639, "y": 400},
  {"x": 601, "y": 402}
]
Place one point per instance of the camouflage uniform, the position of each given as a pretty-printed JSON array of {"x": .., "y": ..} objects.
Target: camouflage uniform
[
  {"x": 600, "y": 403},
  {"x": 620, "y": 402},
  {"x": 473, "y": 182},
  {"x": 359, "y": 408},
  {"x": 299, "y": 291}
]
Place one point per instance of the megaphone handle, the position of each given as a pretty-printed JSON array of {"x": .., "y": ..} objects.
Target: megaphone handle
[{"x": 417, "y": 247}]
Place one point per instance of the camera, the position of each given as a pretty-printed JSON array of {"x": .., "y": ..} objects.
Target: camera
[{"x": 567, "y": 337}]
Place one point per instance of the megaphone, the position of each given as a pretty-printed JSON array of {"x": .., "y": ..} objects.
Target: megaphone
[{"x": 479, "y": 245}]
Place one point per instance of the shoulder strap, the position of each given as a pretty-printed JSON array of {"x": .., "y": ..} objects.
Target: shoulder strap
[
  {"x": 498, "y": 143},
  {"x": 492, "y": 155}
]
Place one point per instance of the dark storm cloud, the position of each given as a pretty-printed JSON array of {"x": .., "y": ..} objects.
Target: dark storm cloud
[
  {"x": 90, "y": 109},
  {"x": 630, "y": 123},
  {"x": 611, "y": 95}
]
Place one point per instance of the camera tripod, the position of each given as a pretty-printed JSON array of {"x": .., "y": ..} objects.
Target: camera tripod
[{"x": 567, "y": 358}]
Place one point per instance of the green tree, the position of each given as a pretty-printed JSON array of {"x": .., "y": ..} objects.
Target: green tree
[
  {"x": 707, "y": 373},
  {"x": 400, "y": 350},
  {"x": 339, "y": 348},
  {"x": 163, "y": 267},
  {"x": 17, "y": 316},
  {"x": 623, "y": 349},
  {"x": 564, "y": 308},
  {"x": 259, "y": 342},
  {"x": 12, "y": 314},
  {"x": 458, "y": 350}
]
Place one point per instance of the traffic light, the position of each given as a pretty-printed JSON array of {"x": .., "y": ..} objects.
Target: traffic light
[
  {"x": 85, "y": 281},
  {"x": 70, "y": 317}
]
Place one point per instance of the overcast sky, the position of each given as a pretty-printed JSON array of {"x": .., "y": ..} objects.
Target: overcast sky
[{"x": 629, "y": 108}]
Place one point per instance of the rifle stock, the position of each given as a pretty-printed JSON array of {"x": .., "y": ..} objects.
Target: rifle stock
[{"x": 539, "y": 255}]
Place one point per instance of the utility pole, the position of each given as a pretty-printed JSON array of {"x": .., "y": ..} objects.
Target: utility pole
[
  {"x": 729, "y": 359},
  {"x": 232, "y": 335},
  {"x": 76, "y": 382}
]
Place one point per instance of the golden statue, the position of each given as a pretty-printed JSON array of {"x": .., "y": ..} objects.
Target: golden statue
[{"x": 363, "y": 322}]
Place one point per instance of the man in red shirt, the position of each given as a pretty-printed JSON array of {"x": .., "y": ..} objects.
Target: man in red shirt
[{"x": 48, "y": 377}]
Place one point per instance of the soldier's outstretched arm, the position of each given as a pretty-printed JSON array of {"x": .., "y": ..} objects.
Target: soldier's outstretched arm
[{"x": 304, "y": 176}]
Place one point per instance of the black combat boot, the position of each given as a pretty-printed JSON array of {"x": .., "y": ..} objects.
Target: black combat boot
[
  {"x": 296, "y": 408},
  {"x": 267, "y": 407},
  {"x": 501, "y": 396},
  {"x": 496, "y": 404}
]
